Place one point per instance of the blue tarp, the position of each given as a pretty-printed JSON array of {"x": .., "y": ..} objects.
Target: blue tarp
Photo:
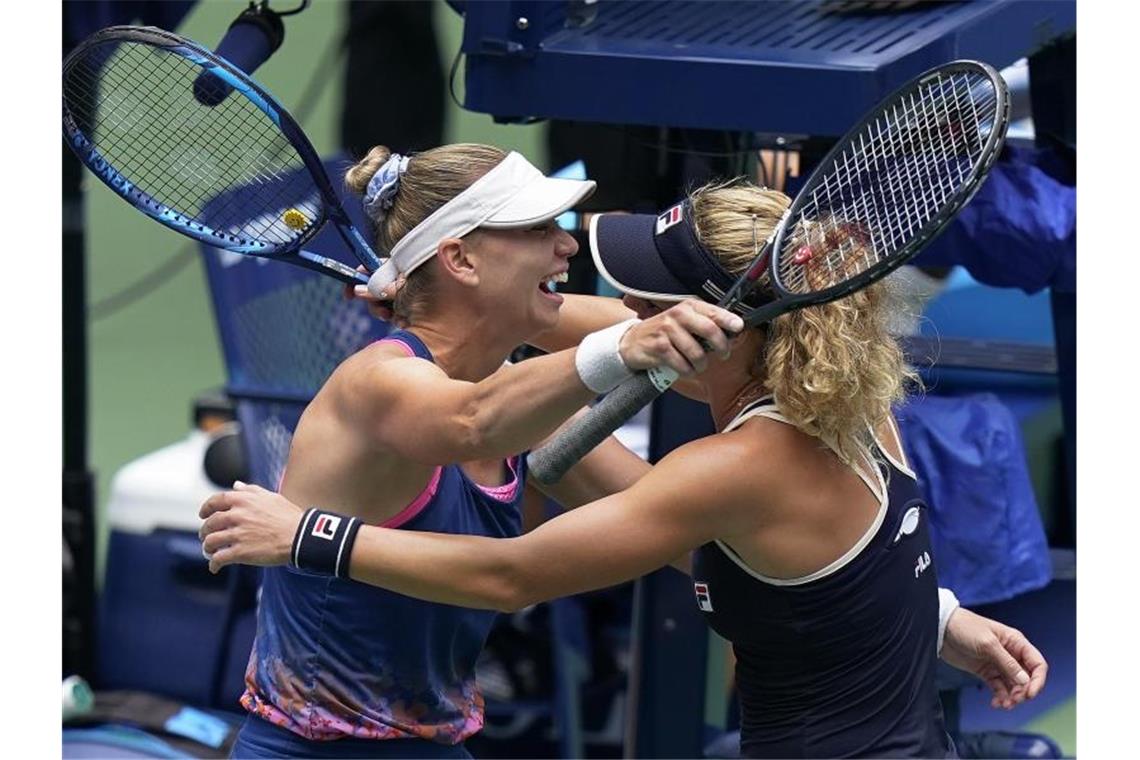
[
  {"x": 1020, "y": 230},
  {"x": 989, "y": 543}
]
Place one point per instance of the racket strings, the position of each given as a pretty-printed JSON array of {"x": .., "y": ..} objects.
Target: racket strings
[
  {"x": 160, "y": 134},
  {"x": 897, "y": 176},
  {"x": 914, "y": 146},
  {"x": 120, "y": 112},
  {"x": 907, "y": 209},
  {"x": 905, "y": 180},
  {"x": 227, "y": 168}
]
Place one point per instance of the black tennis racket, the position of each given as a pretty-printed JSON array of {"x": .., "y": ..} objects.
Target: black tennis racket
[
  {"x": 239, "y": 175},
  {"x": 875, "y": 200}
]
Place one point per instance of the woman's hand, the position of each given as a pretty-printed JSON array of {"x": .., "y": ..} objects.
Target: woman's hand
[
  {"x": 1001, "y": 656},
  {"x": 249, "y": 526},
  {"x": 377, "y": 308},
  {"x": 673, "y": 337}
]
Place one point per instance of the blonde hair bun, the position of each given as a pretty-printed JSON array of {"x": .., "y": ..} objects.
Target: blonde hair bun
[{"x": 360, "y": 174}]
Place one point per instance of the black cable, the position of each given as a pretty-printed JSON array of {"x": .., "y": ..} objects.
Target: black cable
[
  {"x": 451, "y": 75},
  {"x": 304, "y": 4},
  {"x": 141, "y": 287},
  {"x": 167, "y": 270}
]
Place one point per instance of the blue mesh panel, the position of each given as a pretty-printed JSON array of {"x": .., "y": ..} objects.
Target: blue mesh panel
[
  {"x": 268, "y": 429},
  {"x": 283, "y": 331}
]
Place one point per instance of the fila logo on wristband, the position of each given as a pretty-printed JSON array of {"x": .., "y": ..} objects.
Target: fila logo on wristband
[
  {"x": 326, "y": 526},
  {"x": 323, "y": 542}
]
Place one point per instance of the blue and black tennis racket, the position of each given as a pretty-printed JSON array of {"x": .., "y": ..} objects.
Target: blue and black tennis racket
[
  {"x": 882, "y": 193},
  {"x": 239, "y": 175}
]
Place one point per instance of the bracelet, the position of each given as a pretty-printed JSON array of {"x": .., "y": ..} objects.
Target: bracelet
[
  {"x": 599, "y": 361},
  {"x": 323, "y": 542},
  {"x": 947, "y": 603}
]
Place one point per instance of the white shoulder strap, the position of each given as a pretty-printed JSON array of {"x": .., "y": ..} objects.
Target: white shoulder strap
[
  {"x": 765, "y": 406},
  {"x": 900, "y": 463}
]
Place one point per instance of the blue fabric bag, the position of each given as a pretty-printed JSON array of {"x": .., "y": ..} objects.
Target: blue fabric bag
[
  {"x": 1026, "y": 211},
  {"x": 989, "y": 543}
]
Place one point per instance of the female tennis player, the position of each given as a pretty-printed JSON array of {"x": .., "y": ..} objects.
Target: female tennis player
[
  {"x": 809, "y": 540},
  {"x": 423, "y": 430}
]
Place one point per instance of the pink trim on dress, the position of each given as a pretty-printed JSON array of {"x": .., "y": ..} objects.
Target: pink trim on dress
[
  {"x": 507, "y": 491},
  {"x": 407, "y": 349},
  {"x": 418, "y": 504}
]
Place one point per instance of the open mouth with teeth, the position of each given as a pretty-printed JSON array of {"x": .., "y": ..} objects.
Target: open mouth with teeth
[{"x": 549, "y": 284}]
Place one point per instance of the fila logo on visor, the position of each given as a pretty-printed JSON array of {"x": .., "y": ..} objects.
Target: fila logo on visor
[
  {"x": 704, "y": 601},
  {"x": 326, "y": 526},
  {"x": 668, "y": 219}
]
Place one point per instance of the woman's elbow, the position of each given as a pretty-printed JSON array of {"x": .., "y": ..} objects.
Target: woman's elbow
[
  {"x": 478, "y": 430},
  {"x": 514, "y": 590},
  {"x": 510, "y": 597},
  {"x": 509, "y": 605},
  {"x": 467, "y": 434}
]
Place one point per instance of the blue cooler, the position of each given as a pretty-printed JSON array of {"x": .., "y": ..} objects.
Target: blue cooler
[{"x": 165, "y": 624}]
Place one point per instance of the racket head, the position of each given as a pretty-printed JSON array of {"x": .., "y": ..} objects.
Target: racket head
[
  {"x": 239, "y": 175},
  {"x": 891, "y": 184}
]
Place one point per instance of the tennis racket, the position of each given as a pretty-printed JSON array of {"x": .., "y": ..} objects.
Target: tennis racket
[
  {"x": 239, "y": 175},
  {"x": 875, "y": 200}
]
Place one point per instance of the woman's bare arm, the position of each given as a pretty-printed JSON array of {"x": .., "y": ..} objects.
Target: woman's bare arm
[
  {"x": 693, "y": 496},
  {"x": 410, "y": 406}
]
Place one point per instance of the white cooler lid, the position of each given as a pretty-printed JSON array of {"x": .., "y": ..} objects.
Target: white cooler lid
[{"x": 162, "y": 489}]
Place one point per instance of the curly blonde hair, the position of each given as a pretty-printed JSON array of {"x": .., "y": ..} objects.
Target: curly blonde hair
[
  {"x": 433, "y": 178},
  {"x": 834, "y": 369}
]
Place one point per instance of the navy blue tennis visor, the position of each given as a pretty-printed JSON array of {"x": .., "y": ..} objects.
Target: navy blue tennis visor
[{"x": 656, "y": 257}]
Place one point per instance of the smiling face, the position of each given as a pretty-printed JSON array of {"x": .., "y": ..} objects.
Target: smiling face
[{"x": 518, "y": 271}]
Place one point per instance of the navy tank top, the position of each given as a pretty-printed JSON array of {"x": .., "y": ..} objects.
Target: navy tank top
[
  {"x": 841, "y": 662},
  {"x": 334, "y": 659}
]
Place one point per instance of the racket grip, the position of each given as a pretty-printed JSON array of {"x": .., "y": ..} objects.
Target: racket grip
[{"x": 550, "y": 462}]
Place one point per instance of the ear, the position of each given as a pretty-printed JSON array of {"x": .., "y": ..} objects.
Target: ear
[{"x": 459, "y": 260}]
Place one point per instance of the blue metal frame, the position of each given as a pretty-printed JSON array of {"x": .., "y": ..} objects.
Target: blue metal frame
[{"x": 730, "y": 65}]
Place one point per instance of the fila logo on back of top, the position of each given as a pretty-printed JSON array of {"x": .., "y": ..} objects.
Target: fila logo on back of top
[
  {"x": 704, "y": 601},
  {"x": 325, "y": 527},
  {"x": 668, "y": 219},
  {"x": 922, "y": 563}
]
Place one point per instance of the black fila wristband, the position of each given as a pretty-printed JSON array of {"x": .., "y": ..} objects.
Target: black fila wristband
[{"x": 323, "y": 542}]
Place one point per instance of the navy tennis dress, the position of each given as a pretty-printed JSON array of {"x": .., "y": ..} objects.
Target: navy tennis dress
[
  {"x": 841, "y": 662},
  {"x": 344, "y": 669}
]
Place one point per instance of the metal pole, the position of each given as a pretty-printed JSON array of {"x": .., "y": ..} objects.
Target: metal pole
[{"x": 78, "y": 481}]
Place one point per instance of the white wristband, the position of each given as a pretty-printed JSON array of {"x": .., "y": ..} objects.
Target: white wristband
[
  {"x": 598, "y": 360},
  {"x": 947, "y": 603}
]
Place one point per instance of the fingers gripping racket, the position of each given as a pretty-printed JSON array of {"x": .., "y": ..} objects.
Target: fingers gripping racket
[
  {"x": 875, "y": 200},
  {"x": 239, "y": 175}
]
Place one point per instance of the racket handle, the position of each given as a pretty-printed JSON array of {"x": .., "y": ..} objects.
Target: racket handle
[{"x": 550, "y": 462}]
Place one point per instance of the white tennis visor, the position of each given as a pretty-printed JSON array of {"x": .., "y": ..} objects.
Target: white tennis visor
[{"x": 513, "y": 194}]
